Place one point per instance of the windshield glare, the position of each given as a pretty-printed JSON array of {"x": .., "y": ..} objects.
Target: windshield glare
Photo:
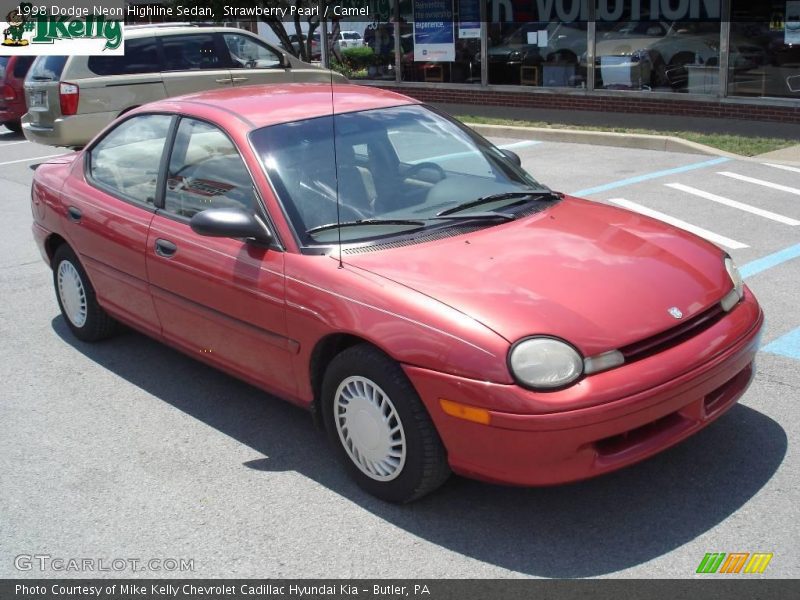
[{"x": 401, "y": 163}]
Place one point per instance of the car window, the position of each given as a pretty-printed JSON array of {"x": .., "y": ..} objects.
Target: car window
[
  {"x": 21, "y": 66},
  {"x": 248, "y": 53},
  {"x": 141, "y": 56},
  {"x": 47, "y": 68},
  {"x": 206, "y": 171},
  {"x": 126, "y": 161},
  {"x": 190, "y": 52}
]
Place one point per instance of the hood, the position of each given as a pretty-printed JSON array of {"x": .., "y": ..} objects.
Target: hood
[{"x": 595, "y": 275}]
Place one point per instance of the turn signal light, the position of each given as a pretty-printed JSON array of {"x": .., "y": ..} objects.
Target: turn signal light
[{"x": 466, "y": 412}]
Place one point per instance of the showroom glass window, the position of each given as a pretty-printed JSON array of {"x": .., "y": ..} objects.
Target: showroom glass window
[
  {"x": 662, "y": 46},
  {"x": 765, "y": 49},
  {"x": 538, "y": 44},
  {"x": 440, "y": 41},
  {"x": 374, "y": 57}
]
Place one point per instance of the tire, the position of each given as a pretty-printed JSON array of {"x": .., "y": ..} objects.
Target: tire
[
  {"x": 15, "y": 126},
  {"x": 77, "y": 300},
  {"x": 402, "y": 456}
]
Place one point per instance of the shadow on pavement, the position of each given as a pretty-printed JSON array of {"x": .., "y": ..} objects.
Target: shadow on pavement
[{"x": 586, "y": 529}]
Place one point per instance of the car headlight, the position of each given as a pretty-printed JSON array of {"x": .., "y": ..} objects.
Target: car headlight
[
  {"x": 515, "y": 56},
  {"x": 733, "y": 297},
  {"x": 544, "y": 363}
]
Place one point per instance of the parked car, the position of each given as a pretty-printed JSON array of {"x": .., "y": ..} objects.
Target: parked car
[
  {"x": 70, "y": 99},
  {"x": 12, "y": 95},
  {"x": 408, "y": 282},
  {"x": 350, "y": 39}
]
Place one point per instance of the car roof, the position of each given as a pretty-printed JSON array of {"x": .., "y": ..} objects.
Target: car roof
[
  {"x": 158, "y": 30},
  {"x": 261, "y": 105}
]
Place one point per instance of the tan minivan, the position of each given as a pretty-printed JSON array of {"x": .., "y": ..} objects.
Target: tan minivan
[{"x": 70, "y": 99}]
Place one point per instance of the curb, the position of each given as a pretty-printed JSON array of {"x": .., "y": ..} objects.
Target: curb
[{"x": 663, "y": 143}]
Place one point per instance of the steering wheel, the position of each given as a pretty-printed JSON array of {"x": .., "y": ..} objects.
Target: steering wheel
[{"x": 421, "y": 167}]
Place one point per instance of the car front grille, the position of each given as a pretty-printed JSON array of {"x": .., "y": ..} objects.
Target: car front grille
[{"x": 673, "y": 336}]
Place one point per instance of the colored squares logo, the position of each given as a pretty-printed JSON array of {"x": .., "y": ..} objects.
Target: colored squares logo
[{"x": 734, "y": 562}]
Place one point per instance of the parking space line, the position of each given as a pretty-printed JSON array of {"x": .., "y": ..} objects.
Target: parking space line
[
  {"x": 31, "y": 159},
  {"x": 522, "y": 144},
  {"x": 4, "y": 144},
  {"x": 786, "y": 345},
  {"x": 455, "y": 155},
  {"x": 704, "y": 233},
  {"x": 761, "y": 182},
  {"x": 771, "y": 260},
  {"x": 784, "y": 167},
  {"x": 647, "y": 176},
  {"x": 734, "y": 204}
]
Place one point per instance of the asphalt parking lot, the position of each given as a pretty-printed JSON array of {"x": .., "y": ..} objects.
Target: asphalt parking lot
[{"x": 128, "y": 449}]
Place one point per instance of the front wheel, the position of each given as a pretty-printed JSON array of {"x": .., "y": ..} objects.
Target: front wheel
[
  {"x": 15, "y": 126},
  {"x": 380, "y": 428},
  {"x": 76, "y": 298}
]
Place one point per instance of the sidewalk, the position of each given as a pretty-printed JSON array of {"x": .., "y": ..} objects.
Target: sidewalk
[{"x": 787, "y": 155}]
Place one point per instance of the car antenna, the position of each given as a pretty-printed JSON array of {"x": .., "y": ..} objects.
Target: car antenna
[{"x": 333, "y": 128}]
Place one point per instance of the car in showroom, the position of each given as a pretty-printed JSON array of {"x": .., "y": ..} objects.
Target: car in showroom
[
  {"x": 12, "y": 95},
  {"x": 374, "y": 261},
  {"x": 70, "y": 99}
]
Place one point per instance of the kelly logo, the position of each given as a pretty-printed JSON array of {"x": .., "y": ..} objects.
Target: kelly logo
[
  {"x": 31, "y": 30},
  {"x": 734, "y": 563}
]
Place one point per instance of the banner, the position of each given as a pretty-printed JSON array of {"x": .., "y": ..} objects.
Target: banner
[
  {"x": 469, "y": 17},
  {"x": 434, "y": 39}
]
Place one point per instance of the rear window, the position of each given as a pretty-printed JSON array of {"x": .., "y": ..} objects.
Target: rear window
[
  {"x": 22, "y": 65},
  {"x": 141, "y": 56},
  {"x": 352, "y": 36},
  {"x": 47, "y": 68}
]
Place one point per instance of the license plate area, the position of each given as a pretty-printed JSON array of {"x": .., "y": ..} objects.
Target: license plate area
[{"x": 38, "y": 99}]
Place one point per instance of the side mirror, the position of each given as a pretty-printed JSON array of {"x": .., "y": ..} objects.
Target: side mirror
[
  {"x": 230, "y": 222},
  {"x": 513, "y": 157}
]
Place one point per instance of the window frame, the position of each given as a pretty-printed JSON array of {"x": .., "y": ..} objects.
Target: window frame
[
  {"x": 160, "y": 180},
  {"x": 259, "y": 208}
]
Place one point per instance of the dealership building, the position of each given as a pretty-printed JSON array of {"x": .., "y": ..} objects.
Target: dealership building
[{"x": 721, "y": 59}]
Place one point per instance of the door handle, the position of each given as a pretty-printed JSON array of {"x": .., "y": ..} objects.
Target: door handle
[
  {"x": 74, "y": 214},
  {"x": 165, "y": 248},
  {"x": 238, "y": 79},
  {"x": 224, "y": 80}
]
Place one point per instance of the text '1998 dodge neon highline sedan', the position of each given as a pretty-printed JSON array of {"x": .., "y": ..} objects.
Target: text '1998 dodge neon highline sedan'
[{"x": 368, "y": 258}]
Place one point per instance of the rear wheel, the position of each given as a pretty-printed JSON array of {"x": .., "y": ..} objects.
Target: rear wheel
[
  {"x": 76, "y": 299},
  {"x": 15, "y": 126},
  {"x": 380, "y": 428}
]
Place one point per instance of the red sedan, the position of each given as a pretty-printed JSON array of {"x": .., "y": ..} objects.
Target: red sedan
[
  {"x": 370, "y": 259},
  {"x": 13, "y": 70}
]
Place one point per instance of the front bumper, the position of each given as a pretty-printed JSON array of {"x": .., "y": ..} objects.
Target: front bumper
[{"x": 549, "y": 448}]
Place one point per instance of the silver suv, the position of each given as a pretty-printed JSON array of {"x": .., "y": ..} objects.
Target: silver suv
[{"x": 71, "y": 99}]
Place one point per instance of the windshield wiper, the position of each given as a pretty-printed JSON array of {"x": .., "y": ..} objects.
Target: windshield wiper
[
  {"x": 477, "y": 216},
  {"x": 314, "y": 230},
  {"x": 497, "y": 198}
]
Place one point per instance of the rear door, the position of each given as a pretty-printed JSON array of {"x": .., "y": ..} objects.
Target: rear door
[
  {"x": 41, "y": 90},
  {"x": 254, "y": 62},
  {"x": 193, "y": 63},
  {"x": 108, "y": 214}
]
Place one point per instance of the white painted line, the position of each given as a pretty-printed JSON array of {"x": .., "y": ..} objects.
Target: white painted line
[
  {"x": 784, "y": 167},
  {"x": 769, "y": 184},
  {"x": 734, "y": 204},
  {"x": 522, "y": 144},
  {"x": 704, "y": 233},
  {"x": 3, "y": 145},
  {"x": 33, "y": 158}
]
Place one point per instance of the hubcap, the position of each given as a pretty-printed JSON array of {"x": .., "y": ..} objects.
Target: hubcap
[
  {"x": 370, "y": 428},
  {"x": 72, "y": 293}
]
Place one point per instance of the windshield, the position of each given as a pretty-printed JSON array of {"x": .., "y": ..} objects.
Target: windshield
[{"x": 405, "y": 163}]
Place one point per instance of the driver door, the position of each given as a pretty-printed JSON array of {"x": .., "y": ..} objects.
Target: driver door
[{"x": 220, "y": 298}]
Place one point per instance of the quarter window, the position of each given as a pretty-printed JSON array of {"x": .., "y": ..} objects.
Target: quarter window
[
  {"x": 247, "y": 53},
  {"x": 126, "y": 161},
  {"x": 206, "y": 171},
  {"x": 141, "y": 56}
]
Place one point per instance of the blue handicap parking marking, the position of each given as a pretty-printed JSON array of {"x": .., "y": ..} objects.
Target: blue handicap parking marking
[{"x": 787, "y": 345}]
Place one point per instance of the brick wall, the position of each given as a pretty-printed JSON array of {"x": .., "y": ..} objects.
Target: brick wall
[{"x": 601, "y": 103}]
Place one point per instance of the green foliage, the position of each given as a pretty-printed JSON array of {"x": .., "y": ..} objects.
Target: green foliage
[{"x": 358, "y": 58}]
